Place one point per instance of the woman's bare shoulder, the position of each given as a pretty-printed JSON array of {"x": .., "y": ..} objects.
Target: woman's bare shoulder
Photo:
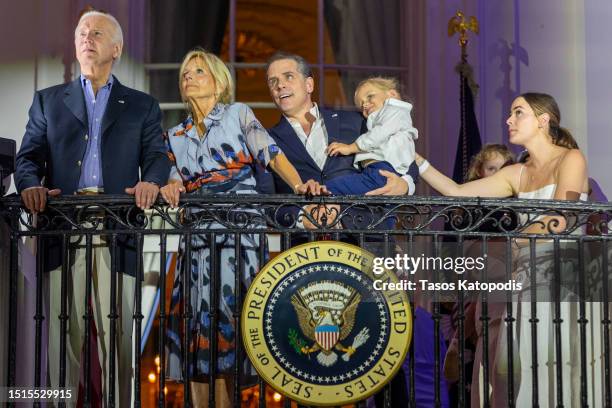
[
  {"x": 575, "y": 162},
  {"x": 511, "y": 174},
  {"x": 572, "y": 159},
  {"x": 574, "y": 154},
  {"x": 511, "y": 170}
]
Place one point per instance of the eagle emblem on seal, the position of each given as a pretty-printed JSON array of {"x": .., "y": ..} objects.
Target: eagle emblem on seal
[{"x": 326, "y": 314}]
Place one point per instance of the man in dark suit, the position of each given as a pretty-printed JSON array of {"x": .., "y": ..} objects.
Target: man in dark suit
[
  {"x": 304, "y": 132},
  {"x": 92, "y": 136}
]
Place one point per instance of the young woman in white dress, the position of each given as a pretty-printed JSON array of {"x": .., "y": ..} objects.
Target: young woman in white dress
[{"x": 555, "y": 169}]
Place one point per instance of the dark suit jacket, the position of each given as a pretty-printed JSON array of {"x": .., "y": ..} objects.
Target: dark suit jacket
[
  {"x": 342, "y": 126},
  {"x": 55, "y": 142}
]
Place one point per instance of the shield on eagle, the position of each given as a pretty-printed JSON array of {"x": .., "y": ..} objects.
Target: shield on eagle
[
  {"x": 340, "y": 331},
  {"x": 327, "y": 336}
]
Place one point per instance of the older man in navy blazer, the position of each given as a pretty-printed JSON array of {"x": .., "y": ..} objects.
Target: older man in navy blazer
[{"x": 93, "y": 136}]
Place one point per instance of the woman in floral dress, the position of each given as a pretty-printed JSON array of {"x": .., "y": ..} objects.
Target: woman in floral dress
[{"x": 214, "y": 151}]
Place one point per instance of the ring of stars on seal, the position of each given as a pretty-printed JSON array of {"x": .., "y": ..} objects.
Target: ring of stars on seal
[{"x": 375, "y": 350}]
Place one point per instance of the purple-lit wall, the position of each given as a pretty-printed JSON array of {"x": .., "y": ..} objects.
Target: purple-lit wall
[
  {"x": 598, "y": 84},
  {"x": 557, "y": 47},
  {"x": 551, "y": 46}
]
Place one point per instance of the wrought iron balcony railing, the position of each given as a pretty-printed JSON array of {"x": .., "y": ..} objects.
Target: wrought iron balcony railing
[{"x": 534, "y": 232}]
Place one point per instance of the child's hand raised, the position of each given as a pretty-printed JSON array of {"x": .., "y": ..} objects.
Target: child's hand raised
[{"x": 336, "y": 148}]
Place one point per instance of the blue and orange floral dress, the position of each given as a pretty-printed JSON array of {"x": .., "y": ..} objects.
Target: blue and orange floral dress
[{"x": 222, "y": 161}]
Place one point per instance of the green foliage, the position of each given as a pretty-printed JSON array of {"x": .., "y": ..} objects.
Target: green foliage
[{"x": 295, "y": 341}]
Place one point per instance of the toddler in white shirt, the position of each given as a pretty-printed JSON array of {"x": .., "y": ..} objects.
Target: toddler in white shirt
[{"x": 387, "y": 145}]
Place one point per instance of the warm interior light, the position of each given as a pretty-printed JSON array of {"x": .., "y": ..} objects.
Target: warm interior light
[
  {"x": 152, "y": 377},
  {"x": 277, "y": 397},
  {"x": 157, "y": 361}
]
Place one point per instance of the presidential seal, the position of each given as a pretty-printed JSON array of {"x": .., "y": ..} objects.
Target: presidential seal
[{"x": 318, "y": 332}]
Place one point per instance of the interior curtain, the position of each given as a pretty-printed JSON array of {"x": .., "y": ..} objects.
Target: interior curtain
[
  {"x": 177, "y": 27},
  {"x": 363, "y": 32}
]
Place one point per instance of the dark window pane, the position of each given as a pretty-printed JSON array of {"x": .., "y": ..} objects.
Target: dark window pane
[
  {"x": 267, "y": 117},
  {"x": 179, "y": 26},
  {"x": 251, "y": 85},
  {"x": 163, "y": 85},
  {"x": 363, "y": 32},
  {"x": 173, "y": 117}
]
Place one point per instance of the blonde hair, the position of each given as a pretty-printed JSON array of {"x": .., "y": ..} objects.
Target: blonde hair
[
  {"x": 224, "y": 83},
  {"x": 487, "y": 153},
  {"x": 383, "y": 83}
]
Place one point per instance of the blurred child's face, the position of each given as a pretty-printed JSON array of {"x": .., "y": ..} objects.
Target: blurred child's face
[
  {"x": 492, "y": 165},
  {"x": 370, "y": 98}
]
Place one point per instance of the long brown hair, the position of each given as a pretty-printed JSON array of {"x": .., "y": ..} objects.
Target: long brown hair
[{"x": 544, "y": 103}]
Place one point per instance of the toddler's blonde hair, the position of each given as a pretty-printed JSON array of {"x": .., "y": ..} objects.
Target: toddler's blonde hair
[{"x": 382, "y": 83}]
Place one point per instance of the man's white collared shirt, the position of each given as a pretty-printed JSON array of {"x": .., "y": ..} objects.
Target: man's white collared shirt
[{"x": 315, "y": 142}]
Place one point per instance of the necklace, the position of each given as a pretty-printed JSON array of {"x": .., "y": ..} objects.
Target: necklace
[
  {"x": 201, "y": 129},
  {"x": 544, "y": 169}
]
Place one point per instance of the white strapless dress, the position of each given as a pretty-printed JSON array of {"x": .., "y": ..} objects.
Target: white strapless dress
[{"x": 545, "y": 341}]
